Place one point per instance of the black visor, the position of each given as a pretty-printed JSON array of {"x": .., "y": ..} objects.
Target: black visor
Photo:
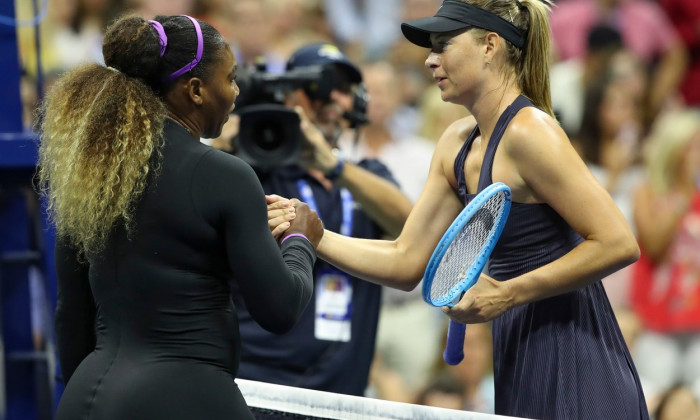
[{"x": 454, "y": 15}]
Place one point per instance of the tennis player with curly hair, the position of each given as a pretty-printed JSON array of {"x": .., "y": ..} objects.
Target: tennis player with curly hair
[{"x": 153, "y": 226}]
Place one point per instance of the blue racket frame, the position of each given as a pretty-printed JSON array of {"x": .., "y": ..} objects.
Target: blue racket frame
[{"x": 455, "y": 336}]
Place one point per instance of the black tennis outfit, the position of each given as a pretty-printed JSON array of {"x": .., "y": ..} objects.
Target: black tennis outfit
[
  {"x": 146, "y": 329},
  {"x": 558, "y": 358}
]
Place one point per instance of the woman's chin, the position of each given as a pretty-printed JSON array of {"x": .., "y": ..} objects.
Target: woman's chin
[
  {"x": 220, "y": 127},
  {"x": 446, "y": 97}
]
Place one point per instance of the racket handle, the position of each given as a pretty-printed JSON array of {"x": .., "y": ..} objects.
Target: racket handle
[{"x": 454, "y": 349}]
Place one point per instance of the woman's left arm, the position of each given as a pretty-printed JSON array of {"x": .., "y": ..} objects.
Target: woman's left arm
[{"x": 545, "y": 168}]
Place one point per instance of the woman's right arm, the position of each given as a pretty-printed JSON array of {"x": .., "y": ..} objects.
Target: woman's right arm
[
  {"x": 75, "y": 310},
  {"x": 275, "y": 282},
  {"x": 401, "y": 263}
]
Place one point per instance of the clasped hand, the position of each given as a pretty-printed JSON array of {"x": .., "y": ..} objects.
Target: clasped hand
[
  {"x": 280, "y": 213},
  {"x": 293, "y": 216},
  {"x": 484, "y": 301}
]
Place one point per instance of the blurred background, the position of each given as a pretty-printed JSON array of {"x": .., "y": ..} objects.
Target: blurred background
[{"x": 625, "y": 79}]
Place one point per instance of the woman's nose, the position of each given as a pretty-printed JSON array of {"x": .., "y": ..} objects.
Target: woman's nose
[{"x": 432, "y": 61}]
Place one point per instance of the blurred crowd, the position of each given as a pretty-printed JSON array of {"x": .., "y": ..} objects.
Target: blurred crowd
[{"x": 625, "y": 80}]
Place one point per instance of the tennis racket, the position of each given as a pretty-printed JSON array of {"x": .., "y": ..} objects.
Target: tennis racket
[{"x": 461, "y": 255}]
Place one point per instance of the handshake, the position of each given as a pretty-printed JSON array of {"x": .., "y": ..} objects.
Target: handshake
[{"x": 285, "y": 217}]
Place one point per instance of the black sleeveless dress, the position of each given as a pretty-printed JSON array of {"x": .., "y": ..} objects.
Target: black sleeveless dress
[{"x": 558, "y": 358}]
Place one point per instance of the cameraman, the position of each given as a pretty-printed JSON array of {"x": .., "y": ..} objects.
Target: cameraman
[{"x": 332, "y": 346}]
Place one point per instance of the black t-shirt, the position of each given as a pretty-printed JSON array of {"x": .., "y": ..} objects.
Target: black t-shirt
[{"x": 298, "y": 358}]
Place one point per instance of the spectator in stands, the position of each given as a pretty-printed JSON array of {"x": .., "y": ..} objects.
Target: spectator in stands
[
  {"x": 666, "y": 279},
  {"x": 365, "y": 29},
  {"x": 252, "y": 32},
  {"x": 660, "y": 49},
  {"x": 570, "y": 78},
  {"x": 685, "y": 16},
  {"x": 610, "y": 137}
]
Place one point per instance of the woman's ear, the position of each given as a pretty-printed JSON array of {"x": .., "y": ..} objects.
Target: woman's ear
[
  {"x": 195, "y": 90},
  {"x": 492, "y": 43}
]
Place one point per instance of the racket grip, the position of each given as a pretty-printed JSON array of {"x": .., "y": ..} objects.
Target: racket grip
[{"x": 454, "y": 349}]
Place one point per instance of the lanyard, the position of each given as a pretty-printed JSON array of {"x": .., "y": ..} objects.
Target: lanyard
[{"x": 307, "y": 196}]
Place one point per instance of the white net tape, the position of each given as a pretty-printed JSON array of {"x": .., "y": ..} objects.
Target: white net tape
[{"x": 269, "y": 401}]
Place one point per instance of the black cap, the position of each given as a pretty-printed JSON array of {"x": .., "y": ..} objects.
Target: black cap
[
  {"x": 322, "y": 54},
  {"x": 454, "y": 15}
]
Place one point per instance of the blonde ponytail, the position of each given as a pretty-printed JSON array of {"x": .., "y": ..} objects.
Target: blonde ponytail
[
  {"x": 531, "y": 64},
  {"x": 100, "y": 132},
  {"x": 534, "y": 73}
]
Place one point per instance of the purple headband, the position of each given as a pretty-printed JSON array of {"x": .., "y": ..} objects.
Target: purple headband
[
  {"x": 200, "y": 49},
  {"x": 161, "y": 35}
]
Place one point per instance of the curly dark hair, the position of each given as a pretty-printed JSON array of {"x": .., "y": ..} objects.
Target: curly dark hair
[{"x": 101, "y": 126}]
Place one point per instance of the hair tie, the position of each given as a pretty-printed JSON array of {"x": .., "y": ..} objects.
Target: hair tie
[
  {"x": 163, "y": 39},
  {"x": 520, "y": 5}
]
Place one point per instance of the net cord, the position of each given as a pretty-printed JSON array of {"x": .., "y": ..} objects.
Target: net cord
[{"x": 328, "y": 405}]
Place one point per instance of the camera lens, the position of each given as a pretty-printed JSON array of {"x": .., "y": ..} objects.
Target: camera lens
[{"x": 270, "y": 137}]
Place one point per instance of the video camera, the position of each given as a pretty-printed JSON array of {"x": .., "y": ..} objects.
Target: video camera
[{"x": 270, "y": 134}]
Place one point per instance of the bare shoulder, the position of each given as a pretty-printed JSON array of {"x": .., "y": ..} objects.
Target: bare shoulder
[
  {"x": 462, "y": 127},
  {"x": 541, "y": 160},
  {"x": 452, "y": 139},
  {"x": 456, "y": 133},
  {"x": 448, "y": 147},
  {"x": 534, "y": 131}
]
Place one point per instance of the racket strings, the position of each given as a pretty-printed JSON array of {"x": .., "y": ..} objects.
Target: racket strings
[{"x": 467, "y": 247}]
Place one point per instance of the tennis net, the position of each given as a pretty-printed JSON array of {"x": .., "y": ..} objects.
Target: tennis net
[{"x": 273, "y": 402}]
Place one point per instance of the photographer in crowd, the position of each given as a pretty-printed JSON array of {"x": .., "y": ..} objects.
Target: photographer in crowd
[{"x": 332, "y": 346}]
